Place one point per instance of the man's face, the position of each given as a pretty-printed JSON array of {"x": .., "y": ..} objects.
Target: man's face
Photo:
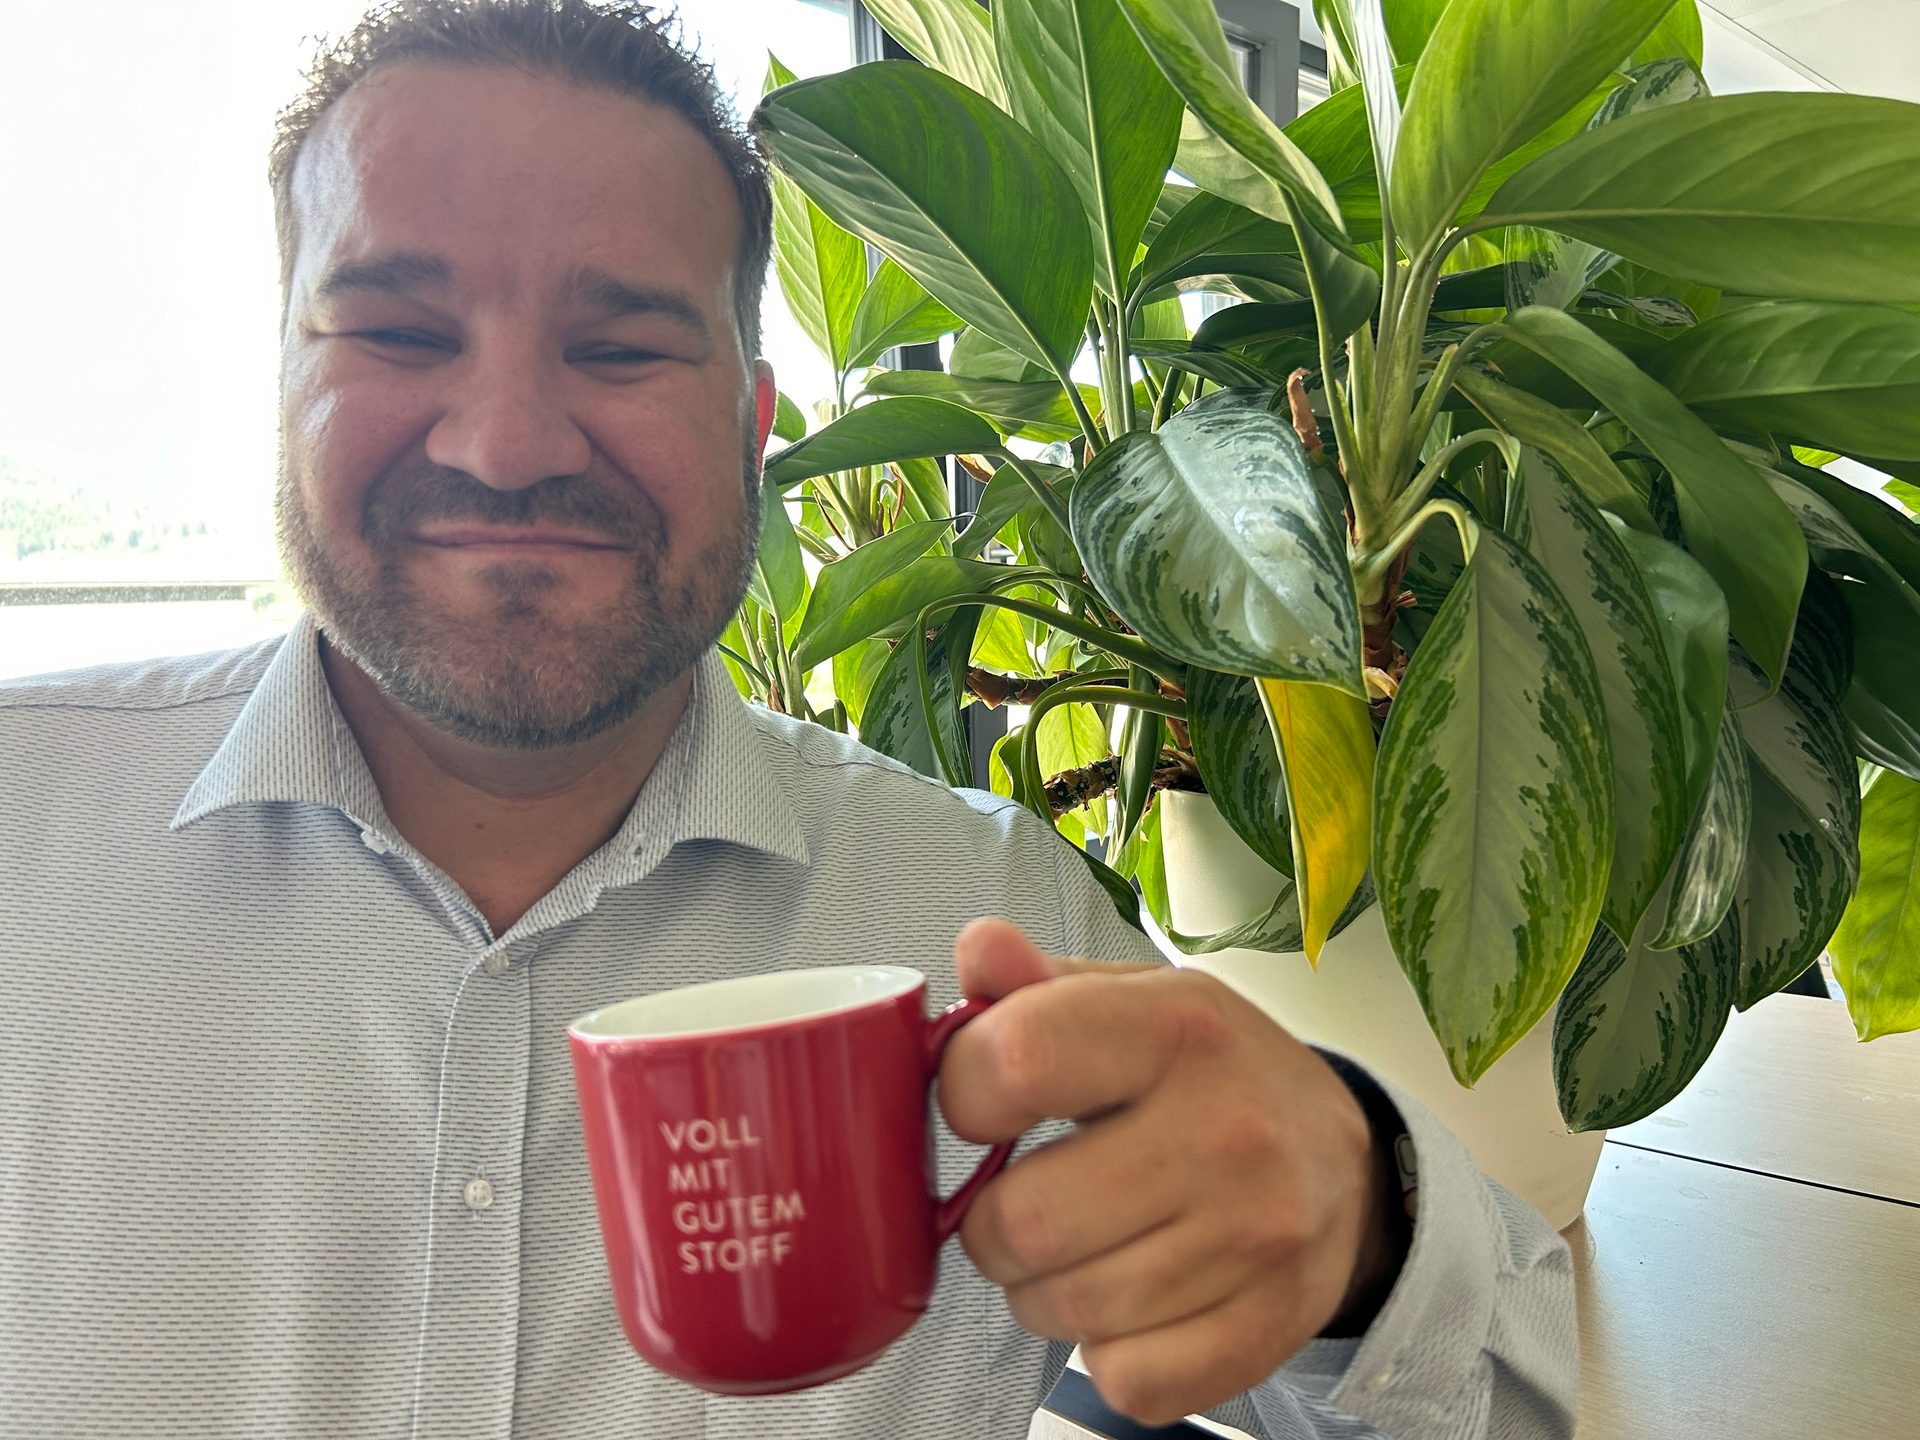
[{"x": 519, "y": 436}]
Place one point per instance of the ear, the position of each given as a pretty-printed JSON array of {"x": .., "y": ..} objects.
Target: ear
[{"x": 766, "y": 398}]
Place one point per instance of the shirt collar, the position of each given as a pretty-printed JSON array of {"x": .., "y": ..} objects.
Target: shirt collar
[{"x": 714, "y": 780}]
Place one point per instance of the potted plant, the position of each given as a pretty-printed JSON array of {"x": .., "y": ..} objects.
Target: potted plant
[{"x": 1479, "y": 569}]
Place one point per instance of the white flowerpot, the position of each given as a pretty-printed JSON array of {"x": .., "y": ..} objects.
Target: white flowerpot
[{"x": 1359, "y": 1003}]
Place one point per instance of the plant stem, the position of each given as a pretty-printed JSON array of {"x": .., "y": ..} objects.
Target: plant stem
[
  {"x": 1169, "y": 400},
  {"x": 742, "y": 661},
  {"x": 1056, "y": 507},
  {"x": 1368, "y": 574},
  {"x": 1410, "y": 499},
  {"x": 1125, "y": 648}
]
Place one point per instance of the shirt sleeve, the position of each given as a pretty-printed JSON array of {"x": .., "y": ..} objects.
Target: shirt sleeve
[{"x": 1478, "y": 1339}]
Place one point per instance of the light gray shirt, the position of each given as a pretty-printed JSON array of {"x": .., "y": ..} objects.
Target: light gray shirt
[{"x": 288, "y": 1139}]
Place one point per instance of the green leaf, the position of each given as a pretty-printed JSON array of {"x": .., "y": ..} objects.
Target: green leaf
[
  {"x": 789, "y": 423},
  {"x": 855, "y": 669},
  {"x": 963, "y": 199},
  {"x": 1278, "y": 931},
  {"x": 1802, "y": 852},
  {"x": 1265, "y": 368},
  {"x": 895, "y": 722},
  {"x": 1346, "y": 290},
  {"x": 845, "y": 582},
  {"x": 1185, "y": 39},
  {"x": 891, "y": 429},
  {"x": 1601, "y": 585},
  {"x": 1234, "y": 748},
  {"x": 1007, "y": 495},
  {"x": 821, "y": 268},
  {"x": 1883, "y": 702},
  {"x": 1037, "y": 411},
  {"x": 1212, "y": 236},
  {"x": 1524, "y": 63},
  {"x": 979, "y": 356},
  {"x": 1876, "y": 950},
  {"x": 777, "y": 564},
  {"x": 1325, "y": 740},
  {"x": 1907, "y": 495},
  {"x": 1693, "y": 621},
  {"x": 1533, "y": 421},
  {"x": 890, "y": 604},
  {"x": 1209, "y": 538},
  {"x": 895, "y": 310},
  {"x": 1734, "y": 525},
  {"x": 1707, "y": 875},
  {"x": 1080, "y": 82},
  {"x": 1677, "y": 34},
  {"x": 1801, "y": 196},
  {"x": 1556, "y": 270},
  {"x": 953, "y": 36},
  {"x": 1636, "y": 1024},
  {"x": 1493, "y": 807},
  {"x": 1846, "y": 376}
]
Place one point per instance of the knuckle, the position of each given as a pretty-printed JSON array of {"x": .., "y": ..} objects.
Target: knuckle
[
  {"x": 1128, "y": 1388},
  {"x": 1020, "y": 1222},
  {"x": 1247, "y": 1139},
  {"x": 1021, "y": 1054},
  {"x": 1205, "y": 1025}
]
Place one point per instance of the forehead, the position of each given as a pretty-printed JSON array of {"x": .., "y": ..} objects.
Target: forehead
[{"x": 513, "y": 178}]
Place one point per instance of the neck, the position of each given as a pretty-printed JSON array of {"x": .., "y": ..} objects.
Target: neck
[{"x": 505, "y": 824}]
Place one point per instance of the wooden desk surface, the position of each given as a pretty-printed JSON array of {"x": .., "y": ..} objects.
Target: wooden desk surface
[
  {"x": 1716, "y": 1303},
  {"x": 1790, "y": 1092}
]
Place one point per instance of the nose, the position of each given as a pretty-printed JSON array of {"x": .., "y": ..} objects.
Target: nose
[{"x": 507, "y": 424}]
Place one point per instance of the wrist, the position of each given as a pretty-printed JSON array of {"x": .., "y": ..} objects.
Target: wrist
[{"x": 1387, "y": 1229}]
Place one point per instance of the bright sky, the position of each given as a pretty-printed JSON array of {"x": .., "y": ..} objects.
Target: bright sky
[{"x": 139, "y": 349}]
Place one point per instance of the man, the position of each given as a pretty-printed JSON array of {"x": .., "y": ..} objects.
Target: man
[{"x": 293, "y": 933}]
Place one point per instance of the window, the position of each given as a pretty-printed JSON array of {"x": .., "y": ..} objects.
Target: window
[{"x": 138, "y": 366}]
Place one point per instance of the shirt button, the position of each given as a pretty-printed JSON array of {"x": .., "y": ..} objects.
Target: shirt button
[
  {"x": 479, "y": 1194},
  {"x": 373, "y": 842},
  {"x": 496, "y": 963}
]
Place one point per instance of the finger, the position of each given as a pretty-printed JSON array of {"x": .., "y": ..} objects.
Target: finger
[
  {"x": 1158, "y": 1376},
  {"x": 993, "y": 958},
  {"x": 1176, "y": 1272},
  {"x": 1101, "y": 1186},
  {"x": 1072, "y": 1046}
]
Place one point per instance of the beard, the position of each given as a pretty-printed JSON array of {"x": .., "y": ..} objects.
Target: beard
[{"x": 513, "y": 675}]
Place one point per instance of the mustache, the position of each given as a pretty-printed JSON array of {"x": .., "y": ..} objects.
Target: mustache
[{"x": 403, "y": 501}]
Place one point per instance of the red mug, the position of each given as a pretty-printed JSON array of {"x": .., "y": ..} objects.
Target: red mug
[{"x": 762, "y": 1161}]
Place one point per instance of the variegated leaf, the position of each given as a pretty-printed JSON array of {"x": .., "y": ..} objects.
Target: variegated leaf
[
  {"x": 1693, "y": 619},
  {"x": 1599, "y": 580},
  {"x": 955, "y": 36},
  {"x": 1493, "y": 807},
  {"x": 1636, "y": 1024},
  {"x": 1234, "y": 749},
  {"x": 1715, "y": 854},
  {"x": 1803, "y": 856},
  {"x": 895, "y": 721},
  {"x": 1209, "y": 538},
  {"x": 1277, "y": 931},
  {"x": 1326, "y": 745}
]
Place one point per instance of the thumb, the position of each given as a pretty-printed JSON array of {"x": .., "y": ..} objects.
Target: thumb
[{"x": 994, "y": 958}]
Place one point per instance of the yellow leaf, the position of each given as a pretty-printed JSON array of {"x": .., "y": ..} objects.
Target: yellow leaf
[{"x": 1327, "y": 750}]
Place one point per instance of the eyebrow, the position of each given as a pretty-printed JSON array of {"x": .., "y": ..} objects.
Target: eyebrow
[
  {"x": 398, "y": 274},
  {"x": 615, "y": 298},
  {"x": 407, "y": 271}
]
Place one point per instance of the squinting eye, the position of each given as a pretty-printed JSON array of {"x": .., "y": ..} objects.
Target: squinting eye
[
  {"x": 400, "y": 339},
  {"x": 619, "y": 357}
]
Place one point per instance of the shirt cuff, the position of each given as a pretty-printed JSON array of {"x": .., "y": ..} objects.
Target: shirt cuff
[{"x": 1421, "y": 1367}]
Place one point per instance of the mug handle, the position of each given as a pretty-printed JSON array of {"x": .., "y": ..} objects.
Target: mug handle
[{"x": 948, "y": 1213}]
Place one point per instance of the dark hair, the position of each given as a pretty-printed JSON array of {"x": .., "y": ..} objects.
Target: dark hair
[{"x": 622, "y": 47}]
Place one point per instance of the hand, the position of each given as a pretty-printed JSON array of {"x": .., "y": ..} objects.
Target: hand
[{"x": 1220, "y": 1202}]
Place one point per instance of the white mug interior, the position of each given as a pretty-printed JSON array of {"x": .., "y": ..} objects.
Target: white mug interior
[{"x": 749, "y": 1001}]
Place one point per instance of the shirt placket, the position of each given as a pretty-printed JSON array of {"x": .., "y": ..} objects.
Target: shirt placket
[{"x": 464, "y": 1383}]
